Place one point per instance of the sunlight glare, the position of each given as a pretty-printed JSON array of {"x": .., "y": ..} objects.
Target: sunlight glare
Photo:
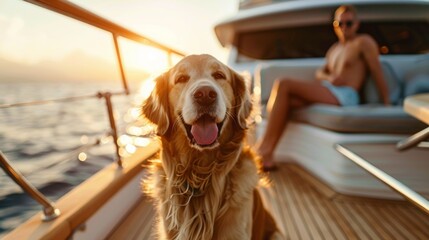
[
  {"x": 124, "y": 140},
  {"x": 144, "y": 57},
  {"x": 130, "y": 148},
  {"x": 151, "y": 59},
  {"x": 84, "y": 139},
  {"x": 145, "y": 128},
  {"x": 123, "y": 152},
  {"x": 82, "y": 157},
  {"x": 141, "y": 142},
  {"x": 134, "y": 130},
  {"x": 132, "y": 114},
  {"x": 106, "y": 139},
  {"x": 135, "y": 112},
  {"x": 257, "y": 90},
  {"x": 146, "y": 89}
]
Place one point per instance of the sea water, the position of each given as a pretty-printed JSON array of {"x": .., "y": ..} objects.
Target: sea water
[{"x": 41, "y": 140}]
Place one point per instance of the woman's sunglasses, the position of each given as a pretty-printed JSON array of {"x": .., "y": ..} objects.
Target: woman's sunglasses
[{"x": 340, "y": 24}]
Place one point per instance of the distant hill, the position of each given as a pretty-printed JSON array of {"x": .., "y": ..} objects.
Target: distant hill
[{"x": 77, "y": 66}]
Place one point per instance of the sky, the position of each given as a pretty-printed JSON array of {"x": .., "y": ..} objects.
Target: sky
[
  {"x": 184, "y": 24},
  {"x": 35, "y": 39}
]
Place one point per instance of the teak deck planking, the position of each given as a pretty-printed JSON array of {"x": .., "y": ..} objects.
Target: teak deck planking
[{"x": 306, "y": 208}]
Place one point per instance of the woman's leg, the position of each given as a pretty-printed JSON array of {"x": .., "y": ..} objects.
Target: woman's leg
[{"x": 287, "y": 94}]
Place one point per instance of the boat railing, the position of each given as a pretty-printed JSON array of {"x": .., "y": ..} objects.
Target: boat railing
[
  {"x": 50, "y": 212},
  {"x": 69, "y": 9},
  {"x": 107, "y": 96}
]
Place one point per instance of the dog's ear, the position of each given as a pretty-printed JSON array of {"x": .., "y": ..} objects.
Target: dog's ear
[
  {"x": 242, "y": 99},
  {"x": 155, "y": 107}
]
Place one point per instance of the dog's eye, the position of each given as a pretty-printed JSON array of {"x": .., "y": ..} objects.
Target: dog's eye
[
  {"x": 218, "y": 75},
  {"x": 182, "y": 79}
]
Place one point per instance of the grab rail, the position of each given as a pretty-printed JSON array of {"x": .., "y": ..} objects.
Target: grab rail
[
  {"x": 50, "y": 212},
  {"x": 412, "y": 196}
]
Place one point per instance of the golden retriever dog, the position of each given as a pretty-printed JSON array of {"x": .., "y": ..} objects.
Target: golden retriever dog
[{"x": 204, "y": 183}]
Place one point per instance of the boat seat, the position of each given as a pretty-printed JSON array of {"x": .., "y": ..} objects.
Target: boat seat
[
  {"x": 371, "y": 116},
  {"x": 367, "y": 118}
]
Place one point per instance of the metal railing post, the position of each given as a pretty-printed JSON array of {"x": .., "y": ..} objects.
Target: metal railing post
[
  {"x": 121, "y": 66},
  {"x": 50, "y": 212},
  {"x": 170, "y": 59},
  {"x": 107, "y": 96}
]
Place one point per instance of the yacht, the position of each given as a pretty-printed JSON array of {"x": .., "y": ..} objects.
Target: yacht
[{"x": 344, "y": 173}]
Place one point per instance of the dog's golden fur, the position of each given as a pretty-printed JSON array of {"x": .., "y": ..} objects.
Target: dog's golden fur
[{"x": 203, "y": 187}]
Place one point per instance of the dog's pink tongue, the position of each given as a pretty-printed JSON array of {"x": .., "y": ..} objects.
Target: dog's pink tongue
[{"x": 204, "y": 130}]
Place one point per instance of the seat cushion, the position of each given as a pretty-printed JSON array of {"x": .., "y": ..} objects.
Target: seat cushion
[
  {"x": 266, "y": 74},
  {"x": 369, "y": 92},
  {"x": 416, "y": 80},
  {"x": 416, "y": 85},
  {"x": 367, "y": 118}
]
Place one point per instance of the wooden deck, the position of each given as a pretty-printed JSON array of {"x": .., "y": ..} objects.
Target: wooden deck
[{"x": 305, "y": 208}]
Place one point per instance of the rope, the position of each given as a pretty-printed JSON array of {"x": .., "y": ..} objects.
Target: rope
[{"x": 57, "y": 100}]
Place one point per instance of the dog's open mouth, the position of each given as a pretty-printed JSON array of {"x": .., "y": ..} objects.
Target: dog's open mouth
[{"x": 204, "y": 131}]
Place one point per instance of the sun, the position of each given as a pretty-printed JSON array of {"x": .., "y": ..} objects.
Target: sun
[
  {"x": 143, "y": 57},
  {"x": 151, "y": 59}
]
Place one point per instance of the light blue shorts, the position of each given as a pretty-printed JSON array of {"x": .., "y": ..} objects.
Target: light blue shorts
[{"x": 346, "y": 96}]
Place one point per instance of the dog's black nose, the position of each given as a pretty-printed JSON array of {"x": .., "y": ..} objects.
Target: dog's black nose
[{"x": 205, "y": 95}]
